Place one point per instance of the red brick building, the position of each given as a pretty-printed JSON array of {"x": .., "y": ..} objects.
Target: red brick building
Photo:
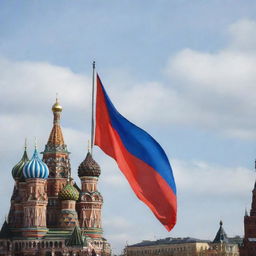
[{"x": 248, "y": 247}]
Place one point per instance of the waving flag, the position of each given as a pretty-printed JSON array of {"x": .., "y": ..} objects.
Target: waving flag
[{"x": 139, "y": 157}]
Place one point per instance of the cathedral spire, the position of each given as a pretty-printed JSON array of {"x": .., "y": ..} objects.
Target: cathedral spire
[
  {"x": 56, "y": 137},
  {"x": 56, "y": 156}
]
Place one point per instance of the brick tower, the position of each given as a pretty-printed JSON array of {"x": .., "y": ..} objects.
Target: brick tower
[
  {"x": 35, "y": 172},
  {"x": 248, "y": 247},
  {"x": 89, "y": 207},
  {"x": 68, "y": 215},
  {"x": 16, "y": 214},
  {"x": 56, "y": 156}
]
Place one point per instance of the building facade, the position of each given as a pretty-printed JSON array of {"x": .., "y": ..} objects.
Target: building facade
[
  {"x": 168, "y": 247},
  {"x": 49, "y": 213},
  {"x": 220, "y": 246}
]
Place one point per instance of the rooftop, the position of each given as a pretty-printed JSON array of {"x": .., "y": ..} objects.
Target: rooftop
[{"x": 169, "y": 240}]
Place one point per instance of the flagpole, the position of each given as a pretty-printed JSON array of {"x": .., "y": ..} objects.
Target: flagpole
[{"x": 93, "y": 97}]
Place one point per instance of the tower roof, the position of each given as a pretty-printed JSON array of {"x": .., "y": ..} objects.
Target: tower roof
[
  {"x": 17, "y": 173},
  {"x": 221, "y": 236},
  {"x": 35, "y": 168},
  {"x": 56, "y": 136},
  {"x": 76, "y": 239},
  {"x": 5, "y": 231},
  {"x": 89, "y": 167}
]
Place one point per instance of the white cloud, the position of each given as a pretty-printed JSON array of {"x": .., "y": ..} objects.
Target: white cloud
[
  {"x": 211, "y": 179},
  {"x": 243, "y": 36},
  {"x": 220, "y": 86},
  {"x": 30, "y": 86},
  {"x": 118, "y": 222}
]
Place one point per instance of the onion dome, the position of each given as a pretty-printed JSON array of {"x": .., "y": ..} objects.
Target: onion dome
[
  {"x": 69, "y": 192},
  {"x": 56, "y": 106},
  {"x": 89, "y": 167},
  {"x": 35, "y": 168},
  {"x": 17, "y": 173}
]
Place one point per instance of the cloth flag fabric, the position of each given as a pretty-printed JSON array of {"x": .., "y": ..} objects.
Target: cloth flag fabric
[{"x": 140, "y": 158}]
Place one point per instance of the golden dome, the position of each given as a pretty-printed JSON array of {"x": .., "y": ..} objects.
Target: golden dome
[{"x": 56, "y": 107}]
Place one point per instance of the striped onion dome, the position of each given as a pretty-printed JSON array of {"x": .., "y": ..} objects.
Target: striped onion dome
[
  {"x": 17, "y": 173},
  {"x": 35, "y": 168},
  {"x": 69, "y": 192}
]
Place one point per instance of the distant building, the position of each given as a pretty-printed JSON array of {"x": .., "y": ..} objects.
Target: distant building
[
  {"x": 168, "y": 246},
  {"x": 220, "y": 246}
]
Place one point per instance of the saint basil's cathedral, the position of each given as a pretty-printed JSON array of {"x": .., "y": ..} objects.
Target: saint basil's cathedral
[{"x": 49, "y": 213}]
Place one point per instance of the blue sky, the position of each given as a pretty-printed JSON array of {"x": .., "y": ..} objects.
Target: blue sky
[
  {"x": 182, "y": 70},
  {"x": 127, "y": 33}
]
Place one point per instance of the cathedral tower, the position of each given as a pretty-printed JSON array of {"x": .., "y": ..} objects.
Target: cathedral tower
[
  {"x": 56, "y": 156},
  {"x": 68, "y": 215},
  {"x": 35, "y": 172},
  {"x": 89, "y": 207},
  {"x": 15, "y": 218}
]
